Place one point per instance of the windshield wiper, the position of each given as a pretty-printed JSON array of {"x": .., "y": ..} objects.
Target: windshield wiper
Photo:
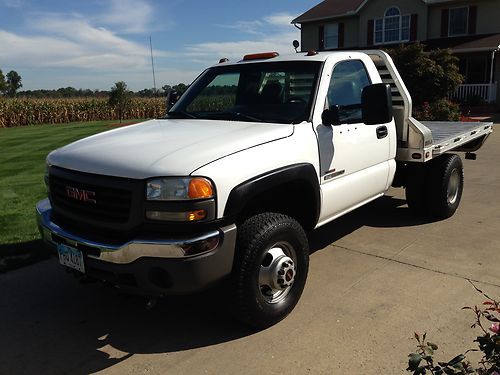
[
  {"x": 180, "y": 114},
  {"x": 233, "y": 116}
]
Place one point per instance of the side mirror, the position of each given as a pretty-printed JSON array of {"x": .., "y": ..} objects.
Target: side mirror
[
  {"x": 172, "y": 98},
  {"x": 330, "y": 116},
  {"x": 376, "y": 104}
]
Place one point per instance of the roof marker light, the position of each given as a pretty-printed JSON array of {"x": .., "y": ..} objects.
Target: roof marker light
[
  {"x": 259, "y": 56},
  {"x": 223, "y": 60},
  {"x": 312, "y": 52}
]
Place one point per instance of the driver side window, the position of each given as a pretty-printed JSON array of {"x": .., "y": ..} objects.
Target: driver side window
[{"x": 347, "y": 82}]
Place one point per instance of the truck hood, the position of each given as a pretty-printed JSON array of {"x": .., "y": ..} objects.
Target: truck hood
[{"x": 164, "y": 147}]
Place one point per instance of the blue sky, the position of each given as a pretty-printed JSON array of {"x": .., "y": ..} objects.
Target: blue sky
[{"x": 94, "y": 43}]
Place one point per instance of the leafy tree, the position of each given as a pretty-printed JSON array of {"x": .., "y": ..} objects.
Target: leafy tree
[
  {"x": 3, "y": 84},
  {"x": 429, "y": 76},
  {"x": 120, "y": 98},
  {"x": 166, "y": 88},
  {"x": 180, "y": 88},
  {"x": 13, "y": 83}
]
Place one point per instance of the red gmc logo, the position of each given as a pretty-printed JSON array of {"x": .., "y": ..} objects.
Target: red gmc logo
[{"x": 81, "y": 195}]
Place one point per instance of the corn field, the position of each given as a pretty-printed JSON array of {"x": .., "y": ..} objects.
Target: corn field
[{"x": 27, "y": 111}]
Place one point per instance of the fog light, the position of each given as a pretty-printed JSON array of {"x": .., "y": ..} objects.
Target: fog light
[{"x": 176, "y": 216}]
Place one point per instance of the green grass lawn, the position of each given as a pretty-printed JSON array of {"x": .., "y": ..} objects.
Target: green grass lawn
[{"x": 22, "y": 166}]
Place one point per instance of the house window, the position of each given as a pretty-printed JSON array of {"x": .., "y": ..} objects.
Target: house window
[
  {"x": 332, "y": 35},
  {"x": 393, "y": 27},
  {"x": 458, "y": 21}
]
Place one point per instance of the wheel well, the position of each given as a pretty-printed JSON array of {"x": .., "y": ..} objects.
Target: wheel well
[{"x": 296, "y": 199}]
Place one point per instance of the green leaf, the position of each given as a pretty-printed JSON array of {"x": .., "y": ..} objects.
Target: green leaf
[
  {"x": 414, "y": 361},
  {"x": 420, "y": 370},
  {"x": 432, "y": 345},
  {"x": 457, "y": 359}
]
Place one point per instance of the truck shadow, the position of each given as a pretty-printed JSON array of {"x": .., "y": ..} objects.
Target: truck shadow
[
  {"x": 65, "y": 327},
  {"x": 53, "y": 324},
  {"x": 385, "y": 212}
]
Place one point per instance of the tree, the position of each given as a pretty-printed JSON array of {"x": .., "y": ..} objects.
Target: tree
[
  {"x": 119, "y": 98},
  {"x": 180, "y": 88},
  {"x": 13, "y": 83},
  {"x": 3, "y": 84},
  {"x": 429, "y": 77}
]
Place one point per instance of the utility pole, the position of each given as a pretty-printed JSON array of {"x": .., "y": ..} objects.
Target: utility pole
[{"x": 152, "y": 64}]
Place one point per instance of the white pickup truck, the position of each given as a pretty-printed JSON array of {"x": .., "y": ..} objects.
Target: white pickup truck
[{"x": 254, "y": 154}]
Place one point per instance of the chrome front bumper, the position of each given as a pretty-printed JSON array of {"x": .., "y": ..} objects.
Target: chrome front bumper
[
  {"x": 222, "y": 240},
  {"x": 155, "y": 267}
]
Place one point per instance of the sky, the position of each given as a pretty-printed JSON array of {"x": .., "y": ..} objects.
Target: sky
[{"x": 92, "y": 44}]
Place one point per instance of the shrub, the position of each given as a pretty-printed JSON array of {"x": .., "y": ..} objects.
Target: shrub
[
  {"x": 429, "y": 77},
  {"x": 487, "y": 319},
  {"x": 442, "y": 109}
]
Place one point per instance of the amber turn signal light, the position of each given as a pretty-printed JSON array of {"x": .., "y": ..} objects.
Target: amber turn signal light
[{"x": 200, "y": 188}]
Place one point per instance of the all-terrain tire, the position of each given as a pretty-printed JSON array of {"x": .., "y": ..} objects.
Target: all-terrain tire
[
  {"x": 270, "y": 269},
  {"x": 445, "y": 186}
]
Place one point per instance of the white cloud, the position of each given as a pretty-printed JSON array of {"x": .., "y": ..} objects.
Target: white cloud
[
  {"x": 62, "y": 40},
  {"x": 128, "y": 16},
  {"x": 249, "y": 27},
  {"x": 275, "y": 33},
  {"x": 280, "y": 19}
]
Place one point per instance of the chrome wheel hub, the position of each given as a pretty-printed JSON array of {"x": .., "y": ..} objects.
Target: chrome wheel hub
[{"x": 277, "y": 272}]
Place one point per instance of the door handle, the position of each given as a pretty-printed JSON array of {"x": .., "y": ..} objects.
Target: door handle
[{"x": 382, "y": 132}]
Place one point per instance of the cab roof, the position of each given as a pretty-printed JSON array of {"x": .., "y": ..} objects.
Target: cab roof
[{"x": 300, "y": 56}]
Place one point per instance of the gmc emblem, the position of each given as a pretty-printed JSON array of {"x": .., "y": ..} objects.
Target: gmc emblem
[{"x": 81, "y": 195}]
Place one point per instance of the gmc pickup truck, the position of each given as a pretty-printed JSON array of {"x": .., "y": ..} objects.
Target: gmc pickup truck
[{"x": 252, "y": 156}]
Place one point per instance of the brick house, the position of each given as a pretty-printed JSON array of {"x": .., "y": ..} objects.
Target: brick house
[{"x": 471, "y": 29}]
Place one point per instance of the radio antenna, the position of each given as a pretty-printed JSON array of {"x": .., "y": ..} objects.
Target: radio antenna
[{"x": 152, "y": 64}]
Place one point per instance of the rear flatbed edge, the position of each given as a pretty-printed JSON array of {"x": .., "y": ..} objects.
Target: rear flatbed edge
[{"x": 448, "y": 136}]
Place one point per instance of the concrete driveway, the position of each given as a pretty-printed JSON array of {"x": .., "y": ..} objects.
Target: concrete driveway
[{"x": 377, "y": 275}]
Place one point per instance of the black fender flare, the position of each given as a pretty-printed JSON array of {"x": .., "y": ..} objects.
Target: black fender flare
[{"x": 246, "y": 191}]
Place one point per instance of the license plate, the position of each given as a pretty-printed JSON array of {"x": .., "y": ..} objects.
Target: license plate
[{"x": 71, "y": 257}]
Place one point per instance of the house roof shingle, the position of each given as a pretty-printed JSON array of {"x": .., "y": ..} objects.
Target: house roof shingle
[
  {"x": 338, "y": 8},
  {"x": 329, "y": 9}
]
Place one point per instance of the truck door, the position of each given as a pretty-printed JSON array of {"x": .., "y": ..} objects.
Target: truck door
[{"x": 353, "y": 156}]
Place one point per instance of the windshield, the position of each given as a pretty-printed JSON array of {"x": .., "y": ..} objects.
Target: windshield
[{"x": 280, "y": 92}]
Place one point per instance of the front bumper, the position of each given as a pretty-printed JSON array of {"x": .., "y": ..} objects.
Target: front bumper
[{"x": 149, "y": 266}]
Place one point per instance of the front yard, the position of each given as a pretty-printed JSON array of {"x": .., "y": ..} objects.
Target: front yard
[{"x": 22, "y": 166}]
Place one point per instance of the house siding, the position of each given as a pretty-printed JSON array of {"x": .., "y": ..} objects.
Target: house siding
[
  {"x": 488, "y": 14},
  {"x": 376, "y": 9},
  {"x": 310, "y": 33}
]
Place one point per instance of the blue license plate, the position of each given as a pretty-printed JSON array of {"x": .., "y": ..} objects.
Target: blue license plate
[{"x": 71, "y": 257}]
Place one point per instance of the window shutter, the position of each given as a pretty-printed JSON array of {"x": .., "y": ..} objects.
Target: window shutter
[
  {"x": 445, "y": 20},
  {"x": 369, "y": 33},
  {"x": 321, "y": 37},
  {"x": 341, "y": 35},
  {"x": 472, "y": 19},
  {"x": 413, "y": 27}
]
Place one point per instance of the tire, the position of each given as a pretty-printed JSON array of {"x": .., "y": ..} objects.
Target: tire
[
  {"x": 415, "y": 191},
  {"x": 270, "y": 269},
  {"x": 445, "y": 186}
]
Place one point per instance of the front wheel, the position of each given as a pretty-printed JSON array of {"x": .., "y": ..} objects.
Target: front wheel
[{"x": 270, "y": 269}]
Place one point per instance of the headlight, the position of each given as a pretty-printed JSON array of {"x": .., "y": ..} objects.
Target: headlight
[{"x": 178, "y": 189}]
